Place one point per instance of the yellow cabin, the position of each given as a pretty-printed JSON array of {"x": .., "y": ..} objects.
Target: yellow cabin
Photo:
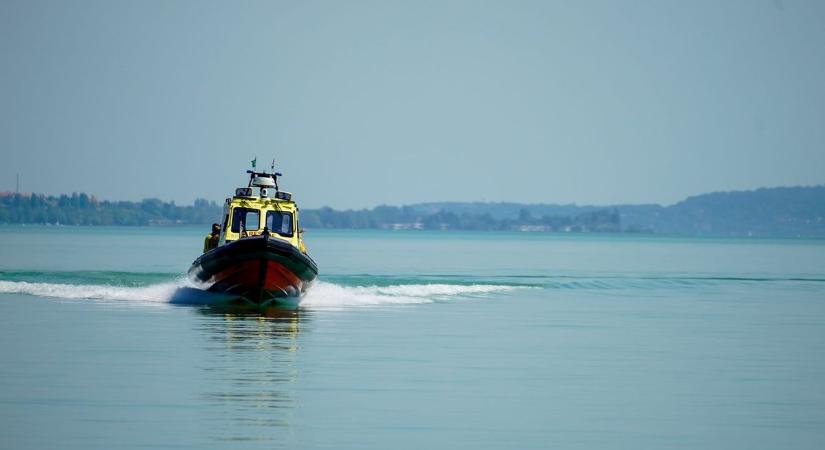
[{"x": 247, "y": 215}]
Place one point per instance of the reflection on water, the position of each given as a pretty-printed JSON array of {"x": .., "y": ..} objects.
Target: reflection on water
[{"x": 250, "y": 373}]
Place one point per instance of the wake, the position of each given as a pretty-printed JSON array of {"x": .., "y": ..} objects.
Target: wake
[
  {"x": 321, "y": 295},
  {"x": 158, "y": 293}
]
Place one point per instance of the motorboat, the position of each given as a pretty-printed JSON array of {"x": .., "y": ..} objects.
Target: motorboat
[{"x": 259, "y": 259}]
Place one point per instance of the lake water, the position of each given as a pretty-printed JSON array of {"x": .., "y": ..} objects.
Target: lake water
[{"x": 416, "y": 340}]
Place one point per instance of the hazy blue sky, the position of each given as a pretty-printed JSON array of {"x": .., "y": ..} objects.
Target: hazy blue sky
[{"x": 364, "y": 103}]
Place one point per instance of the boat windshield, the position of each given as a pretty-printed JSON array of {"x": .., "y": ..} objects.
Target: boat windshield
[
  {"x": 279, "y": 222},
  {"x": 246, "y": 218}
]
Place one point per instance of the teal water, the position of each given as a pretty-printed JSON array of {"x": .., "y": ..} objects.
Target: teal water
[{"x": 416, "y": 340}]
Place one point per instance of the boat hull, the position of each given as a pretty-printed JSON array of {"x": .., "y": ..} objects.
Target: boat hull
[{"x": 259, "y": 270}]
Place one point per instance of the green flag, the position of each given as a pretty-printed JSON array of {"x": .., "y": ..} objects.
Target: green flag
[{"x": 254, "y": 162}]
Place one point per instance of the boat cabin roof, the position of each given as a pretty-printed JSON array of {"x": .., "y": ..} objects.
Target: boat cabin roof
[{"x": 261, "y": 203}]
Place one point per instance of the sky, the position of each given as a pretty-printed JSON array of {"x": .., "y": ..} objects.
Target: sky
[{"x": 364, "y": 103}]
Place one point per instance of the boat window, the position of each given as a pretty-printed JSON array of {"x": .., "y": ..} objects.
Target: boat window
[
  {"x": 249, "y": 219},
  {"x": 279, "y": 222}
]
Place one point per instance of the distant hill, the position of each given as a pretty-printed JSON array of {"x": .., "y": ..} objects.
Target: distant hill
[{"x": 783, "y": 211}]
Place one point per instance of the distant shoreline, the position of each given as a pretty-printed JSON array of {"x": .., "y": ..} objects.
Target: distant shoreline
[
  {"x": 514, "y": 233},
  {"x": 795, "y": 212}
]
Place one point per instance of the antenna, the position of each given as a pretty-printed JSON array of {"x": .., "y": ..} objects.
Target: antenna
[
  {"x": 272, "y": 167},
  {"x": 17, "y": 189}
]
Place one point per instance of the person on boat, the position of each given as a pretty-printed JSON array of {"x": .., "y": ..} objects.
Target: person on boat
[{"x": 211, "y": 240}]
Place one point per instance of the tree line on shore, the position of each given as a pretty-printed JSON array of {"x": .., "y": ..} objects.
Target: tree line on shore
[
  {"x": 84, "y": 209},
  {"x": 409, "y": 217},
  {"x": 781, "y": 211}
]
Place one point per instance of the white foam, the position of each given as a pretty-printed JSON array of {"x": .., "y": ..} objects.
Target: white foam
[
  {"x": 157, "y": 293},
  {"x": 324, "y": 295},
  {"x": 321, "y": 295}
]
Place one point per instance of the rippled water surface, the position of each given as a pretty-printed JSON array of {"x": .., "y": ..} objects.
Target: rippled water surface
[{"x": 416, "y": 340}]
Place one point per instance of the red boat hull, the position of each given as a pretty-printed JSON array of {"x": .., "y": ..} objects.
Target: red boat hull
[{"x": 258, "y": 269}]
